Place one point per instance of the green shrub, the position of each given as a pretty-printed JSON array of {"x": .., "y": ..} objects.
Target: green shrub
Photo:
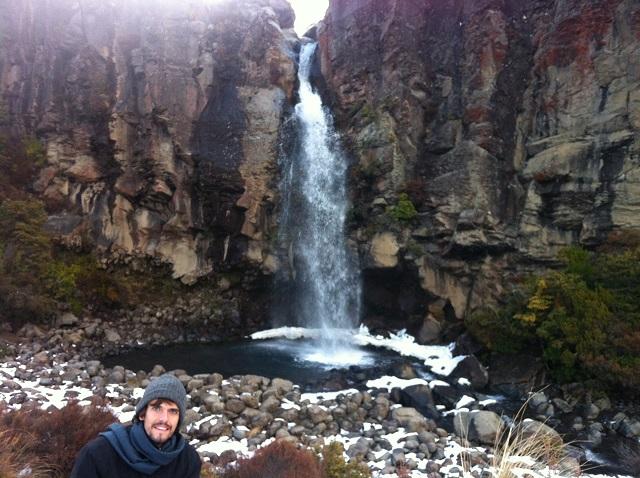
[
  {"x": 20, "y": 159},
  {"x": 403, "y": 210},
  {"x": 335, "y": 466},
  {"x": 583, "y": 320},
  {"x": 34, "y": 151},
  {"x": 495, "y": 328},
  {"x": 50, "y": 438},
  {"x": 27, "y": 248}
]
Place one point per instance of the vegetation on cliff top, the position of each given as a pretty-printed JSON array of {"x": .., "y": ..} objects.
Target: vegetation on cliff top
[
  {"x": 36, "y": 276},
  {"x": 584, "y": 319}
]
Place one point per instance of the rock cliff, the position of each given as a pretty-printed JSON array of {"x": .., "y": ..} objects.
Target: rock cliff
[
  {"x": 485, "y": 134},
  {"x": 511, "y": 127},
  {"x": 160, "y": 122}
]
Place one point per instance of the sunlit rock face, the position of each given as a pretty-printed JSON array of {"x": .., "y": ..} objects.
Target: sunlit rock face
[
  {"x": 160, "y": 120},
  {"x": 513, "y": 127}
]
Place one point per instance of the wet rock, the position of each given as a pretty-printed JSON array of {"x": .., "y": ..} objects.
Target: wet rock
[
  {"x": 446, "y": 395},
  {"x": 420, "y": 398},
  {"x": 629, "y": 428},
  {"x": 471, "y": 368},
  {"x": 562, "y": 405},
  {"x": 515, "y": 375}
]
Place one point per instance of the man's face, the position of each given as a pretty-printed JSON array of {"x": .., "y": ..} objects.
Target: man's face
[{"x": 160, "y": 420}]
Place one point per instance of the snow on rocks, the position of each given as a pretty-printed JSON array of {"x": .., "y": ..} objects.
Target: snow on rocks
[{"x": 387, "y": 423}]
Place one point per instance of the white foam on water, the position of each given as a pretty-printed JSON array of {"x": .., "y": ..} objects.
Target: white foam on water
[{"x": 438, "y": 357}]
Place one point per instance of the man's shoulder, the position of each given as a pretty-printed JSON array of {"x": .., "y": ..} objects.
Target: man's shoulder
[
  {"x": 191, "y": 451},
  {"x": 98, "y": 445}
]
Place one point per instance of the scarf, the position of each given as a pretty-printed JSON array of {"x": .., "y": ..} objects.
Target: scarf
[{"x": 138, "y": 451}]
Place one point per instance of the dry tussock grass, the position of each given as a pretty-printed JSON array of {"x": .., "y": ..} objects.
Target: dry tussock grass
[
  {"x": 48, "y": 441},
  {"x": 523, "y": 445},
  {"x": 280, "y": 459}
]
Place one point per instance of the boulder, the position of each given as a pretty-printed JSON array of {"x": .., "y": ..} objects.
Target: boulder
[
  {"x": 429, "y": 332},
  {"x": 471, "y": 369},
  {"x": 515, "y": 375},
  {"x": 410, "y": 418},
  {"x": 420, "y": 398},
  {"x": 532, "y": 429},
  {"x": 478, "y": 426},
  {"x": 446, "y": 395}
]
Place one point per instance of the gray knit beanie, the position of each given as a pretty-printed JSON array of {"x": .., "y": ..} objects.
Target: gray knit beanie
[{"x": 168, "y": 387}]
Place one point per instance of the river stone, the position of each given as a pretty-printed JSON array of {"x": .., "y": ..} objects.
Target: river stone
[
  {"x": 562, "y": 405},
  {"x": 410, "y": 418},
  {"x": 446, "y": 395},
  {"x": 381, "y": 408},
  {"x": 481, "y": 426},
  {"x": 261, "y": 419},
  {"x": 271, "y": 404},
  {"x": 533, "y": 428},
  {"x": 214, "y": 404},
  {"x": 590, "y": 411},
  {"x": 67, "y": 319},
  {"x": 41, "y": 358},
  {"x": 537, "y": 400},
  {"x": 91, "y": 330},
  {"x": 317, "y": 414},
  {"x": 630, "y": 428},
  {"x": 290, "y": 415},
  {"x": 222, "y": 427},
  {"x": 215, "y": 379},
  {"x": 235, "y": 405},
  {"x": 359, "y": 449},
  {"x": 190, "y": 416},
  {"x": 157, "y": 370},
  {"x": 471, "y": 368},
  {"x": 255, "y": 381},
  {"x": 603, "y": 403},
  {"x": 112, "y": 336},
  {"x": 250, "y": 400},
  {"x": 281, "y": 385},
  {"x": 420, "y": 398}
]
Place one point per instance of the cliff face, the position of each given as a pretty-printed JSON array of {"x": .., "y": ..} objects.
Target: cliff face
[
  {"x": 513, "y": 127},
  {"x": 160, "y": 121}
]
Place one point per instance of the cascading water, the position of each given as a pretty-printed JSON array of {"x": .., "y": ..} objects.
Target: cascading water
[{"x": 327, "y": 282}]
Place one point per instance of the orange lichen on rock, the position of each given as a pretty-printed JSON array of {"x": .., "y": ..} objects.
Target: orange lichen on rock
[{"x": 574, "y": 38}]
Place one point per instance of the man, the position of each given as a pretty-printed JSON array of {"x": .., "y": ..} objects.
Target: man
[{"x": 151, "y": 447}]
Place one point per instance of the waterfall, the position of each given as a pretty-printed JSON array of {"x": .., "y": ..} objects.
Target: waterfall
[{"x": 325, "y": 272}]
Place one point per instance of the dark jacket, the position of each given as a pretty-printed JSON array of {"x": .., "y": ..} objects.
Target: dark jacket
[{"x": 98, "y": 459}]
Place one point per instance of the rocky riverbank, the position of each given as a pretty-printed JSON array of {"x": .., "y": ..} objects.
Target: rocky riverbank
[{"x": 420, "y": 422}]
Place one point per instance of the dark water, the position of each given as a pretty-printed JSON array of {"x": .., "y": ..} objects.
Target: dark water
[{"x": 270, "y": 358}]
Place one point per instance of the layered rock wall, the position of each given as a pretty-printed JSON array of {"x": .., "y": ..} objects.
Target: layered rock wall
[
  {"x": 512, "y": 127},
  {"x": 485, "y": 134},
  {"x": 160, "y": 121}
]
